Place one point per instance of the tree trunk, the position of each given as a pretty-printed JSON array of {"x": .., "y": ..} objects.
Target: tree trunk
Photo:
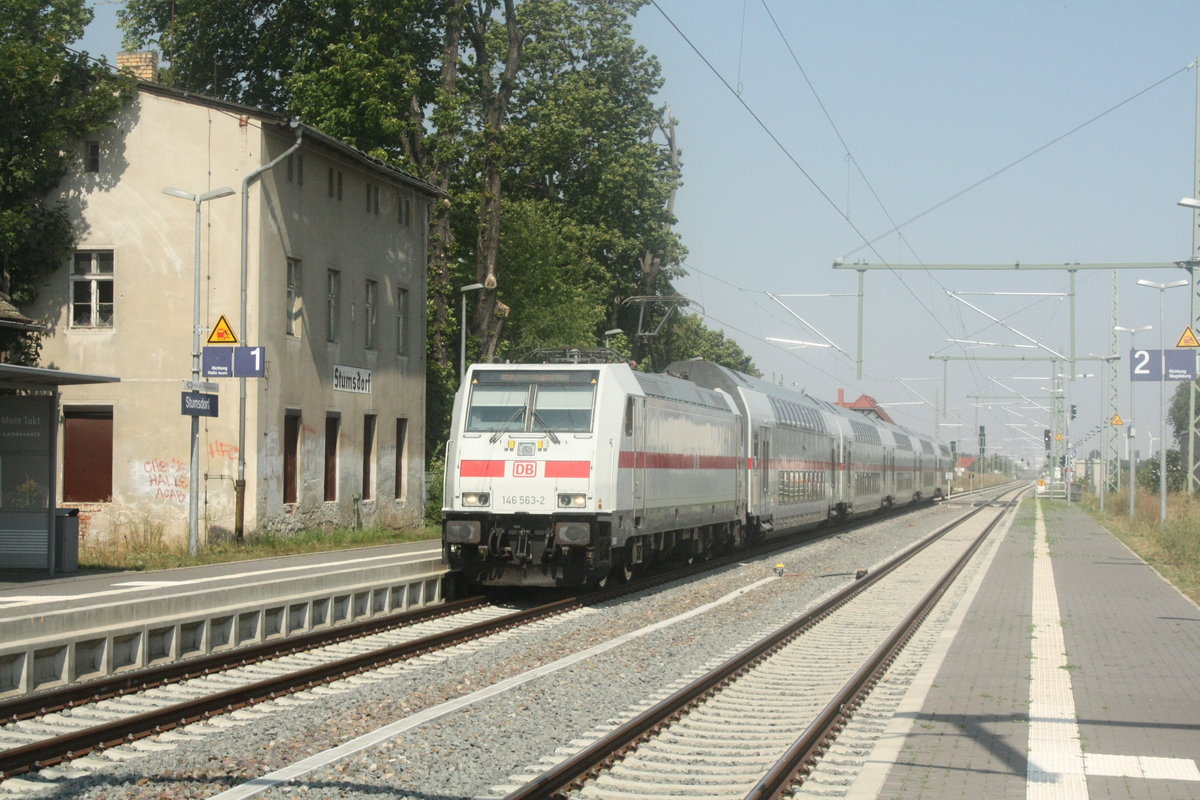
[{"x": 494, "y": 99}]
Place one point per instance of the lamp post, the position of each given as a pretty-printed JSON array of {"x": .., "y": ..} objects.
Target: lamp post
[
  {"x": 1162, "y": 391},
  {"x": 1129, "y": 422},
  {"x": 194, "y": 472},
  {"x": 1106, "y": 428},
  {"x": 462, "y": 331}
]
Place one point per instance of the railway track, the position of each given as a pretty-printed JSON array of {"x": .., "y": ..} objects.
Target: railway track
[
  {"x": 55, "y": 727},
  {"x": 732, "y": 733}
]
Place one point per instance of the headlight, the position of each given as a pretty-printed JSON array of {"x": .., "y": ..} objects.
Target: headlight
[
  {"x": 572, "y": 533},
  {"x": 462, "y": 531},
  {"x": 572, "y": 500},
  {"x": 475, "y": 498}
]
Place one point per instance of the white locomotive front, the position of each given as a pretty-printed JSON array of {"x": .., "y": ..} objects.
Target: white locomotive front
[{"x": 562, "y": 474}]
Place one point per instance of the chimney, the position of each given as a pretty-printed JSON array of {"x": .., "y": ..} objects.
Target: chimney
[{"x": 142, "y": 64}]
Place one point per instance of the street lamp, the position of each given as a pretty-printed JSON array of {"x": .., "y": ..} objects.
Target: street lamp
[
  {"x": 193, "y": 477},
  {"x": 1162, "y": 391},
  {"x": 610, "y": 332},
  {"x": 1129, "y": 422},
  {"x": 462, "y": 328},
  {"x": 1106, "y": 427},
  {"x": 1189, "y": 202}
]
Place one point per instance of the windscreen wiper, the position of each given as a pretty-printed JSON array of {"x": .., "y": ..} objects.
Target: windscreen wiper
[
  {"x": 503, "y": 429},
  {"x": 538, "y": 418}
]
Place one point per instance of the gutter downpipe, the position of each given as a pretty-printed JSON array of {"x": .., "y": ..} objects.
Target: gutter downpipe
[{"x": 239, "y": 485}]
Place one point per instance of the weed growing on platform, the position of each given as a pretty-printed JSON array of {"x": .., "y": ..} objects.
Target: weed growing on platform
[
  {"x": 1173, "y": 549},
  {"x": 144, "y": 547}
]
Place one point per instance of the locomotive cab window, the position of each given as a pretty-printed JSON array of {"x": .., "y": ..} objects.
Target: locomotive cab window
[{"x": 515, "y": 401}]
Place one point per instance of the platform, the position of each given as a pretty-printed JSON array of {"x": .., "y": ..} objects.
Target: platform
[
  {"x": 61, "y": 629},
  {"x": 1074, "y": 672}
]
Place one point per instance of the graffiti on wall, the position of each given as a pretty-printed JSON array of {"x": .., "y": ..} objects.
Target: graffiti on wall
[{"x": 167, "y": 479}]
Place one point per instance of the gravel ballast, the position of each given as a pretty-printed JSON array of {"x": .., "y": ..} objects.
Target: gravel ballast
[{"x": 476, "y": 751}]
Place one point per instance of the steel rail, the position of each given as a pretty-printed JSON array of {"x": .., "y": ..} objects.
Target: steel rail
[
  {"x": 51, "y": 751},
  {"x": 70, "y": 745},
  {"x": 573, "y": 772},
  {"x": 798, "y": 762},
  {"x": 94, "y": 691}
]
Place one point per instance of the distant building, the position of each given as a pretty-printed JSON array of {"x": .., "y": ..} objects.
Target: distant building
[
  {"x": 865, "y": 404},
  {"x": 335, "y": 298}
]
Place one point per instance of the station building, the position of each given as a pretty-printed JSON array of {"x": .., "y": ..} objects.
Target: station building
[{"x": 329, "y": 308}]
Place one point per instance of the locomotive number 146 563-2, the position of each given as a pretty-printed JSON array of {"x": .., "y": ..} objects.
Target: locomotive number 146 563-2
[{"x": 522, "y": 499}]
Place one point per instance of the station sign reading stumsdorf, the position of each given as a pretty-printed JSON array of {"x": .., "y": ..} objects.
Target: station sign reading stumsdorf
[{"x": 1162, "y": 365}]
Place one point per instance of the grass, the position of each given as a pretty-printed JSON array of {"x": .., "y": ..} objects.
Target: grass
[
  {"x": 1173, "y": 548},
  {"x": 144, "y": 546}
]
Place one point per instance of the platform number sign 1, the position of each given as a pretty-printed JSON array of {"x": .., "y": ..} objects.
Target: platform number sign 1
[{"x": 248, "y": 362}]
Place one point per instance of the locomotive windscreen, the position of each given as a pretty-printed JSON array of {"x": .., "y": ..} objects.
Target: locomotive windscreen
[{"x": 546, "y": 400}]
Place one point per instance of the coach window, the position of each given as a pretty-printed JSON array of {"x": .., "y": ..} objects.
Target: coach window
[{"x": 629, "y": 416}]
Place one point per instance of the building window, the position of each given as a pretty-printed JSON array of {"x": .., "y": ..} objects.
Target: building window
[
  {"x": 369, "y": 314},
  {"x": 332, "y": 424},
  {"x": 295, "y": 168},
  {"x": 403, "y": 210},
  {"x": 402, "y": 321},
  {"x": 293, "y": 296},
  {"x": 87, "y": 456},
  {"x": 333, "y": 291},
  {"x": 339, "y": 184},
  {"x": 331, "y": 181},
  {"x": 368, "y": 451},
  {"x": 92, "y": 289},
  {"x": 91, "y": 155},
  {"x": 291, "y": 456},
  {"x": 401, "y": 447}
]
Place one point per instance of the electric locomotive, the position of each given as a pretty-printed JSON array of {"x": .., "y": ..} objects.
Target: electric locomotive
[{"x": 565, "y": 474}]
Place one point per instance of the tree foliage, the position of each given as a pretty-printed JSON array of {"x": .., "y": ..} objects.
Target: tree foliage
[
  {"x": 537, "y": 118},
  {"x": 53, "y": 98}
]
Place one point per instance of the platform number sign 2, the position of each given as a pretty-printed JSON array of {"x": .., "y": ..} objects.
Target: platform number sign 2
[{"x": 1141, "y": 367}]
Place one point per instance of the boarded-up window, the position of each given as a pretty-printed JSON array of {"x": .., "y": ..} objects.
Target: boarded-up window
[
  {"x": 331, "y": 447},
  {"x": 87, "y": 456},
  {"x": 401, "y": 446},
  {"x": 368, "y": 451},
  {"x": 291, "y": 457}
]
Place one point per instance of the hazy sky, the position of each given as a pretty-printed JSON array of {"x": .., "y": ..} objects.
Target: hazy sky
[{"x": 1009, "y": 132}]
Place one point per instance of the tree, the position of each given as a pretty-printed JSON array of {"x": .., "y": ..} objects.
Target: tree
[
  {"x": 685, "y": 337},
  {"x": 53, "y": 98},
  {"x": 1177, "y": 414},
  {"x": 536, "y": 118}
]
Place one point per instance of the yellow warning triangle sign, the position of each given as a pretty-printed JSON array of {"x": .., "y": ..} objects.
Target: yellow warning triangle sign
[
  {"x": 1187, "y": 338},
  {"x": 222, "y": 333},
  {"x": 1116, "y": 420}
]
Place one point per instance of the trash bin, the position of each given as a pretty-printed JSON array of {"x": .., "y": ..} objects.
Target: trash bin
[{"x": 66, "y": 539}]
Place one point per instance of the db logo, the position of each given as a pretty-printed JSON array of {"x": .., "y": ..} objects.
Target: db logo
[{"x": 524, "y": 469}]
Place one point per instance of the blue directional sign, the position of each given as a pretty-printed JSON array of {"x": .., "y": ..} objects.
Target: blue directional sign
[
  {"x": 217, "y": 362},
  {"x": 1150, "y": 365}
]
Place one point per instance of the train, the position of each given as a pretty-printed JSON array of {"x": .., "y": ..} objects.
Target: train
[{"x": 575, "y": 472}]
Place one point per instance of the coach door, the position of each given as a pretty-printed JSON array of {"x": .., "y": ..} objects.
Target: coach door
[{"x": 635, "y": 437}]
